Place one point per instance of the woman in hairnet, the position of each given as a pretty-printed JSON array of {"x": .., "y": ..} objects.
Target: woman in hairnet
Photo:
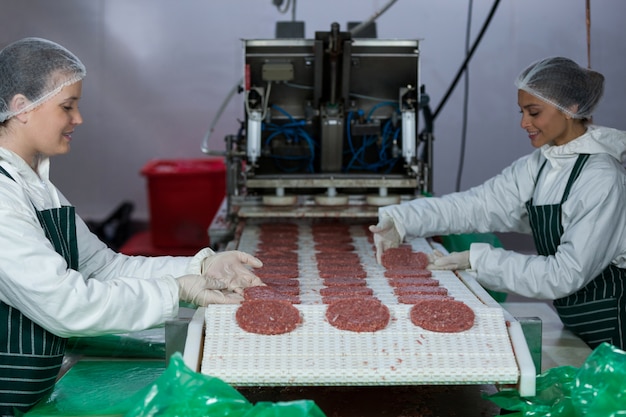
[
  {"x": 570, "y": 193},
  {"x": 56, "y": 278}
]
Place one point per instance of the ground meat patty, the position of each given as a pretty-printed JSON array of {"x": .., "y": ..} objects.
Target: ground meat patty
[
  {"x": 334, "y": 255},
  {"x": 277, "y": 257},
  {"x": 277, "y": 273},
  {"x": 342, "y": 273},
  {"x": 336, "y": 267},
  {"x": 334, "y": 247},
  {"x": 446, "y": 316},
  {"x": 401, "y": 258},
  {"x": 420, "y": 289},
  {"x": 281, "y": 282},
  {"x": 408, "y": 282},
  {"x": 345, "y": 282},
  {"x": 343, "y": 238},
  {"x": 331, "y": 299},
  {"x": 415, "y": 298},
  {"x": 267, "y": 317},
  {"x": 346, "y": 291},
  {"x": 358, "y": 314},
  {"x": 408, "y": 273},
  {"x": 279, "y": 246},
  {"x": 263, "y": 292}
]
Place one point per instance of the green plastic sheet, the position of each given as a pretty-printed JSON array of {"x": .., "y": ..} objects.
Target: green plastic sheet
[
  {"x": 143, "y": 344},
  {"x": 146, "y": 389},
  {"x": 596, "y": 389}
]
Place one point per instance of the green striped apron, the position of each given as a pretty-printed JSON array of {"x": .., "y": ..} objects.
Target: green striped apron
[
  {"x": 31, "y": 357},
  {"x": 596, "y": 312}
]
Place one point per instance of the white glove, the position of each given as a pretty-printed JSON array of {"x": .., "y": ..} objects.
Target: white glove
[
  {"x": 231, "y": 268},
  {"x": 385, "y": 236},
  {"x": 453, "y": 261},
  {"x": 200, "y": 291}
]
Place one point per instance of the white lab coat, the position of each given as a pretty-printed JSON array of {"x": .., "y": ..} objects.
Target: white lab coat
[
  {"x": 110, "y": 292},
  {"x": 593, "y": 219}
]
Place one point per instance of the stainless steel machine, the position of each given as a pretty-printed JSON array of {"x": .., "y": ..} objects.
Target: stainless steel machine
[
  {"x": 330, "y": 132},
  {"x": 329, "y": 128}
]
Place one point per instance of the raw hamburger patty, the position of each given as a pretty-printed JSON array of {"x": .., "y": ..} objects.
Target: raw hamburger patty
[
  {"x": 337, "y": 257},
  {"x": 408, "y": 273},
  {"x": 268, "y": 293},
  {"x": 402, "y": 258},
  {"x": 281, "y": 246},
  {"x": 268, "y": 257},
  {"x": 281, "y": 282},
  {"x": 331, "y": 299},
  {"x": 415, "y": 298},
  {"x": 445, "y": 316},
  {"x": 407, "y": 282},
  {"x": 420, "y": 289},
  {"x": 345, "y": 282},
  {"x": 342, "y": 273},
  {"x": 358, "y": 314},
  {"x": 268, "y": 317},
  {"x": 277, "y": 273},
  {"x": 346, "y": 292},
  {"x": 334, "y": 247}
]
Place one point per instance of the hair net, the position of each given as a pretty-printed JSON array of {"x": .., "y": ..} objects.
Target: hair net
[
  {"x": 561, "y": 82},
  {"x": 36, "y": 68}
]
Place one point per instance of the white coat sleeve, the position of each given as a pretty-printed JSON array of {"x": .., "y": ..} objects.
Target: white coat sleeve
[
  {"x": 594, "y": 236},
  {"x": 110, "y": 293},
  {"x": 37, "y": 281},
  {"x": 99, "y": 262},
  {"x": 496, "y": 205}
]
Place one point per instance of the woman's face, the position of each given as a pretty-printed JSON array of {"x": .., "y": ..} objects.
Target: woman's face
[
  {"x": 545, "y": 123},
  {"x": 49, "y": 127}
]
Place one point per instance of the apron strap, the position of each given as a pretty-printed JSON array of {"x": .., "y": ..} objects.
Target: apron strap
[{"x": 578, "y": 167}]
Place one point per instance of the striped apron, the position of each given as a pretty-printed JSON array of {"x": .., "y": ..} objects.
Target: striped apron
[
  {"x": 597, "y": 312},
  {"x": 30, "y": 356}
]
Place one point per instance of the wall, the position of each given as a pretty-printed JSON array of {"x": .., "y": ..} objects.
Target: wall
[{"x": 158, "y": 70}]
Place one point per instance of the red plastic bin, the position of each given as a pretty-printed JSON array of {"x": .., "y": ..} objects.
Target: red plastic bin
[{"x": 183, "y": 197}]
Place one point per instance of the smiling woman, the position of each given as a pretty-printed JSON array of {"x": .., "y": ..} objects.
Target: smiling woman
[
  {"x": 57, "y": 279},
  {"x": 570, "y": 193}
]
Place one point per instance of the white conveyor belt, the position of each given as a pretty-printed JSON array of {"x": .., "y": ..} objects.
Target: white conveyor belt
[{"x": 493, "y": 351}]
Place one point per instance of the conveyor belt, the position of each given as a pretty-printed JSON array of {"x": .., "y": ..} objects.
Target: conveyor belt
[{"x": 318, "y": 354}]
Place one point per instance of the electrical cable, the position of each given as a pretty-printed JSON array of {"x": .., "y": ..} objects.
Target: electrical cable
[
  {"x": 494, "y": 7},
  {"x": 293, "y": 132},
  {"x": 357, "y": 160},
  {"x": 205, "y": 142},
  {"x": 285, "y": 9},
  {"x": 465, "y": 100},
  {"x": 588, "y": 25},
  {"x": 375, "y": 16}
]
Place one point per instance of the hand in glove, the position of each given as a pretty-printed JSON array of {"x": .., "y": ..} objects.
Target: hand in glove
[
  {"x": 385, "y": 236},
  {"x": 231, "y": 268},
  {"x": 453, "y": 261},
  {"x": 201, "y": 291}
]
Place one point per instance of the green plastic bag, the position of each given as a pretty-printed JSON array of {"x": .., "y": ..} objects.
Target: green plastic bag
[
  {"x": 181, "y": 392},
  {"x": 148, "y": 388},
  {"x": 597, "y": 389},
  {"x": 600, "y": 388},
  {"x": 300, "y": 408}
]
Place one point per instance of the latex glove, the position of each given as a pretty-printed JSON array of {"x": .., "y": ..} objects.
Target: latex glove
[
  {"x": 453, "y": 261},
  {"x": 385, "y": 236},
  {"x": 200, "y": 291},
  {"x": 231, "y": 268}
]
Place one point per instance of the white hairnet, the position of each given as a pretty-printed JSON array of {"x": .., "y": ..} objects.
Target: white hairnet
[
  {"x": 38, "y": 69},
  {"x": 561, "y": 82}
]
